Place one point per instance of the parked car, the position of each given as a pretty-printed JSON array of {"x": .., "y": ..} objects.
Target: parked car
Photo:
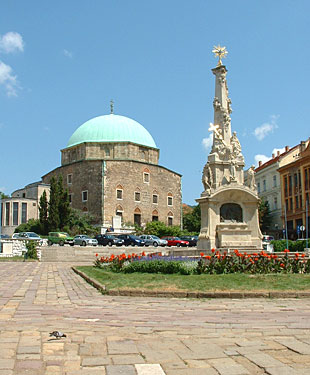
[
  {"x": 60, "y": 238},
  {"x": 83, "y": 240},
  {"x": 3, "y": 236},
  {"x": 151, "y": 240},
  {"x": 175, "y": 241},
  {"x": 108, "y": 239},
  {"x": 192, "y": 240},
  {"x": 28, "y": 236},
  {"x": 131, "y": 240}
]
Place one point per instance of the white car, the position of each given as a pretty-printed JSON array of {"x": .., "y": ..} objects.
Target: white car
[
  {"x": 28, "y": 236},
  {"x": 84, "y": 240},
  {"x": 151, "y": 240}
]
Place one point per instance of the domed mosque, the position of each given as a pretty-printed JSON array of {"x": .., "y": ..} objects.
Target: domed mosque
[{"x": 110, "y": 168}]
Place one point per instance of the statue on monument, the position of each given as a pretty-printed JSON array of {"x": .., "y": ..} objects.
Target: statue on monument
[
  {"x": 235, "y": 144},
  {"x": 207, "y": 177},
  {"x": 251, "y": 178},
  {"x": 232, "y": 169}
]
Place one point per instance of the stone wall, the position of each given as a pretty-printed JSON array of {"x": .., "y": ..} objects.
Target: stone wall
[
  {"x": 109, "y": 151},
  {"x": 85, "y": 176},
  {"x": 128, "y": 176}
]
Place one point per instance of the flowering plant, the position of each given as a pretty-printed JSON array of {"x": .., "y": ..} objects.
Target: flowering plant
[{"x": 215, "y": 263}]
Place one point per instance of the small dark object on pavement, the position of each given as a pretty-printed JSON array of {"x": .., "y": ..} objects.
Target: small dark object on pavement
[{"x": 57, "y": 334}]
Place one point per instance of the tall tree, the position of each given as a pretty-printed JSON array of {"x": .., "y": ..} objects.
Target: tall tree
[
  {"x": 43, "y": 212},
  {"x": 3, "y": 196},
  {"x": 192, "y": 220},
  {"x": 264, "y": 215},
  {"x": 64, "y": 209},
  {"x": 53, "y": 206}
]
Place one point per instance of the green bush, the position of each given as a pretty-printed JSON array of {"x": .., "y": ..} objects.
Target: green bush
[
  {"x": 294, "y": 246},
  {"x": 31, "y": 250},
  {"x": 31, "y": 226},
  {"x": 160, "y": 266}
]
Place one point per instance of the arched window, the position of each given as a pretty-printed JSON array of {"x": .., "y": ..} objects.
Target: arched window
[
  {"x": 119, "y": 192},
  {"x": 137, "y": 195},
  {"x": 170, "y": 218},
  {"x": 119, "y": 210},
  {"x": 231, "y": 212},
  {"x": 155, "y": 215},
  {"x": 146, "y": 176},
  {"x": 137, "y": 216},
  {"x": 169, "y": 199},
  {"x": 155, "y": 197}
]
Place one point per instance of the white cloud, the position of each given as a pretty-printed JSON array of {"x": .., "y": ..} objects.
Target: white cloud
[
  {"x": 8, "y": 79},
  {"x": 264, "y": 158},
  {"x": 207, "y": 142},
  {"x": 11, "y": 42},
  {"x": 68, "y": 53},
  {"x": 268, "y": 127}
]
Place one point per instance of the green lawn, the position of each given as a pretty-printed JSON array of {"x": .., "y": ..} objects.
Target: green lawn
[
  {"x": 16, "y": 259},
  {"x": 202, "y": 283}
]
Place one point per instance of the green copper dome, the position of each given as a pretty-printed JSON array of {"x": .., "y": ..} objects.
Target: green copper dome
[{"x": 112, "y": 128}]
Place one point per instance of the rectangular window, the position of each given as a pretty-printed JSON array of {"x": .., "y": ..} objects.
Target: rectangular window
[
  {"x": 7, "y": 213},
  {"x": 286, "y": 204},
  {"x": 137, "y": 219},
  {"x": 69, "y": 179},
  {"x": 289, "y": 185},
  {"x": 155, "y": 198},
  {"x": 274, "y": 181},
  {"x": 85, "y": 196},
  {"x": 70, "y": 198},
  {"x": 154, "y": 218},
  {"x": 291, "y": 204},
  {"x": 275, "y": 203},
  {"x": 24, "y": 213},
  {"x": 1, "y": 218},
  {"x": 285, "y": 186},
  {"x": 258, "y": 187},
  {"x": 15, "y": 213},
  {"x": 295, "y": 181},
  {"x": 137, "y": 196},
  {"x": 170, "y": 201},
  {"x": 119, "y": 194},
  {"x": 296, "y": 202},
  {"x": 170, "y": 221},
  {"x": 264, "y": 185},
  {"x": 146, "y": 177}
]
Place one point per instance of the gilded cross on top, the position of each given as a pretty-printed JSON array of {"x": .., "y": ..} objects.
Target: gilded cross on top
[{"x": 219, "y": 52}]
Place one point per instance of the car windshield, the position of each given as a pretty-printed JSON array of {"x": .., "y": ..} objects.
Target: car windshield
[
  {"x": 135, "y": 238},
  {"x": 154, "y": 237},
  {"x": 31, "y": 234},
  {"x": 176, "y": 238},
  {"x": 64, "y": 234}
]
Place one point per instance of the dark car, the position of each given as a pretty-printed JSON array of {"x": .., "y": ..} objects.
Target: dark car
[
  {"x": 131, "y": 240},
  {"x": 175, "y": 241},
  {"x": 108, "y": 240},
  {"x": 192, "y": 240}
]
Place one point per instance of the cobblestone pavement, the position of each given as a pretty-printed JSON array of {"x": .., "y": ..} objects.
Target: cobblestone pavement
[{"x": 109, "y": 335}]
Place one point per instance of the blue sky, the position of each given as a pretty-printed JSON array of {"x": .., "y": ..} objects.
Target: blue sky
[{"x": 61, "y": 62}]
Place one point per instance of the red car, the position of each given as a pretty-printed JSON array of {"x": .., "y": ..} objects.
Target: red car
[{"x": 175, "y": 241}]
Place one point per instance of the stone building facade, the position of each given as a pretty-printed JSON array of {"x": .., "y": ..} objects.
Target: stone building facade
[
  {"x": 295, "y": 191},
  {"x": 22, "y": 206},
  {"x": 111, "y": 170}
]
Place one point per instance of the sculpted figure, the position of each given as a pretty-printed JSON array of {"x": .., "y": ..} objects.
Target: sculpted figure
[
  {"x": 232, "y": 169},
  {"x": 251, "y": 177},
  {"x": 235, "y": 144},
  {"x": 207, "y": 177}
]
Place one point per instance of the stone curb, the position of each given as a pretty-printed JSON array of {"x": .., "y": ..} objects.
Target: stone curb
[{"x": 154, "y": 293}]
